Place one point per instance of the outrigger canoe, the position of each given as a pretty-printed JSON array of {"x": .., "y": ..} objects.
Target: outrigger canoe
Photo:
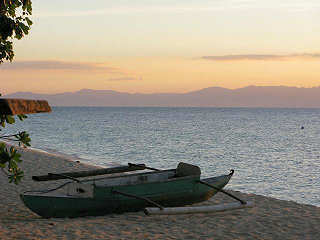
[{"x": 126, "y": 193}]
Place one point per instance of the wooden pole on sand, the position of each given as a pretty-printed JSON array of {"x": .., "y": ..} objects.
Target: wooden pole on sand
[{"x": 200, "y": 209}]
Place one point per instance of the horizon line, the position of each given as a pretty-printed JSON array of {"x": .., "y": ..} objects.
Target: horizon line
[{"x": 109, "y": 90}]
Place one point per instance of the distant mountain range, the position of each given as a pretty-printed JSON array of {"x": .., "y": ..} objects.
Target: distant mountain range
[{"x": 251, "y": 96}]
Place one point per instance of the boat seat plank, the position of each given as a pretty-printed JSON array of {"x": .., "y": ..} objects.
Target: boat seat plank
[
  {"x": 134, "y": 179},
  {"x": 185, "y": 169}
]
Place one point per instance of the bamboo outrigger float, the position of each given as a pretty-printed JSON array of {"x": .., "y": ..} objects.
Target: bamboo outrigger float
[{"x": 162, "y": 189}]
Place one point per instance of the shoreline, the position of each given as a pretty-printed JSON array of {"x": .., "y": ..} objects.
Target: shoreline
[
  {"x": 269, "y": 219},
  {"x": 62, "y": 155},
  {"x": 87, "y": 162}
]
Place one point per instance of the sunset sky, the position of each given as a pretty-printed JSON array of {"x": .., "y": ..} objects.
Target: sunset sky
[{"x": 150, "y": 46}]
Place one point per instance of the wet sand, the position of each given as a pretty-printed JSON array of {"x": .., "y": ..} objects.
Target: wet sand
[{"x": 268, "y": 219}]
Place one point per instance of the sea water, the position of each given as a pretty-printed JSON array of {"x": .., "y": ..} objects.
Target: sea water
[{"x": 274, "y": 152}]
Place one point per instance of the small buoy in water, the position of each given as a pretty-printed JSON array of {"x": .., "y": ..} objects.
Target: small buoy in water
[{"x": 302, "y": 127}]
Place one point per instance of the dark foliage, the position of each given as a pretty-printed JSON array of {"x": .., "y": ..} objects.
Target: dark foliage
[{"x": 14, "y": 23}]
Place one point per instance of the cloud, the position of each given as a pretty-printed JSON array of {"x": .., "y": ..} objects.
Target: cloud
[
  {"x": 56, "y": 65},
  {"x": 262, "y": 57},
  {"x": 123, "y": 79}
]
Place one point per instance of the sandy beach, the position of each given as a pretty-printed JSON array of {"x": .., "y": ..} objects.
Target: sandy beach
[{"x": 269, "y": 219}]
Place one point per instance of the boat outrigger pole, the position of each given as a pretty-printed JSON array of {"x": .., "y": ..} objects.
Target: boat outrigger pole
[
  {"x": 223, "y": 191},
  {"x": 220, "y": 190},
  {"x": 138, "y": 197},
  {"x": 145, "y": 167},
  {"x": 203, "y": 209},
  {"x": 95, "y": 172},
  {"x": 64, "y": 176}
]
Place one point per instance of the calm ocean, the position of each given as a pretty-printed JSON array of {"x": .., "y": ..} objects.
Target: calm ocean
[{"x": 268, "y": 149}]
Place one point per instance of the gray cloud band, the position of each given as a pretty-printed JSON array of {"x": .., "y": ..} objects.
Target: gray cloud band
[
  {"x": 55, "y": 65},
  {"x": 261, "y": 57},
  {"x": 122, "y": 79}
]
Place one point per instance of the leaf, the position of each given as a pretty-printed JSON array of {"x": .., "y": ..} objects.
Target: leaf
[
  {"x": 16, "y": 177},
  {"x": 17, "y": 158},
  {"x": 22, "y": 117},
  {"x": 13, "y": 150},
  {"x": 11, "y": 178},
  {"x": 24, "y": 28},
  {"x": 29, "y": 21},
  {"x": 12, "y": 166},
  {"x": 2, "y": 146},
  {"x": 10, "y": 119},
  {"x": 24, "y": 138},
  {"x": 4, "y": 155}
]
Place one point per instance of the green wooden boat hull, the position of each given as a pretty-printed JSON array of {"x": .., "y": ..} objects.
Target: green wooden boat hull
[{"x": 170, "y": 193}]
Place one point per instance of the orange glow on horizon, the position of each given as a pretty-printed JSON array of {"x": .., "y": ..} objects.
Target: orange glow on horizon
[{"x": 158, "y": 75}]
